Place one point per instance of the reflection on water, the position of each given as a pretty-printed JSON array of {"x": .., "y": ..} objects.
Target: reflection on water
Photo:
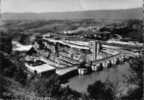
[{"x": 115, "y": 74}]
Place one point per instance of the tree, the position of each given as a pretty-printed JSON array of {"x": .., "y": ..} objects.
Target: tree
[
  {"x": 12, "y": 68},
  {"x": 5, "y": 42},
  {"x": 137, "y": 67},
  {"x": 100, "y": 91},
  {"x": 46, "y": 86},
  {"x": 24, "y": 39},
  {"x": 3, "y": 89}
]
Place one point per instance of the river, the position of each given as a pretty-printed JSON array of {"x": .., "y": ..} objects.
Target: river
[{"x": 115, "y": 74}]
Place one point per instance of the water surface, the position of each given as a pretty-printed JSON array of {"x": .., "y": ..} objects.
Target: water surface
[{"x": 116, "y": 74}]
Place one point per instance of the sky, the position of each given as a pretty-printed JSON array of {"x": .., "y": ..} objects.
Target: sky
[{"x": 66, "y": 5}]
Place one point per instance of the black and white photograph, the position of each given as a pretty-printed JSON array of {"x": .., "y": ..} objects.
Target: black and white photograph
[{"x": 71, "y": 49}]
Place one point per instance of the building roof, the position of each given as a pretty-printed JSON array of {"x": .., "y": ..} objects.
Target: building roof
[
  {"x": 20, "y": 47},
  {"x": 65, "y": 70},
  {"x": 40, "y": 68},
  {"x": 73, "y": 44}
]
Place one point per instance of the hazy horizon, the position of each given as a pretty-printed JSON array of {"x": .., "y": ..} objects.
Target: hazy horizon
[
  {"x": 46, "y": 6},
  {"x": 75, "y": 11}
]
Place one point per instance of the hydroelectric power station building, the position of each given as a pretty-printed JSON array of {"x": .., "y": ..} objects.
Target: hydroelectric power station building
[{"x": 65, "y": 55}]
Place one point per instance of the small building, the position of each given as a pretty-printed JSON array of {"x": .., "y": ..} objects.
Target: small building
[{"x": 39, "y": 68}]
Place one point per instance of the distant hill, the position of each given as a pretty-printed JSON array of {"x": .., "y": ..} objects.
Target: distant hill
[{"x": 135, "y": 13}]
